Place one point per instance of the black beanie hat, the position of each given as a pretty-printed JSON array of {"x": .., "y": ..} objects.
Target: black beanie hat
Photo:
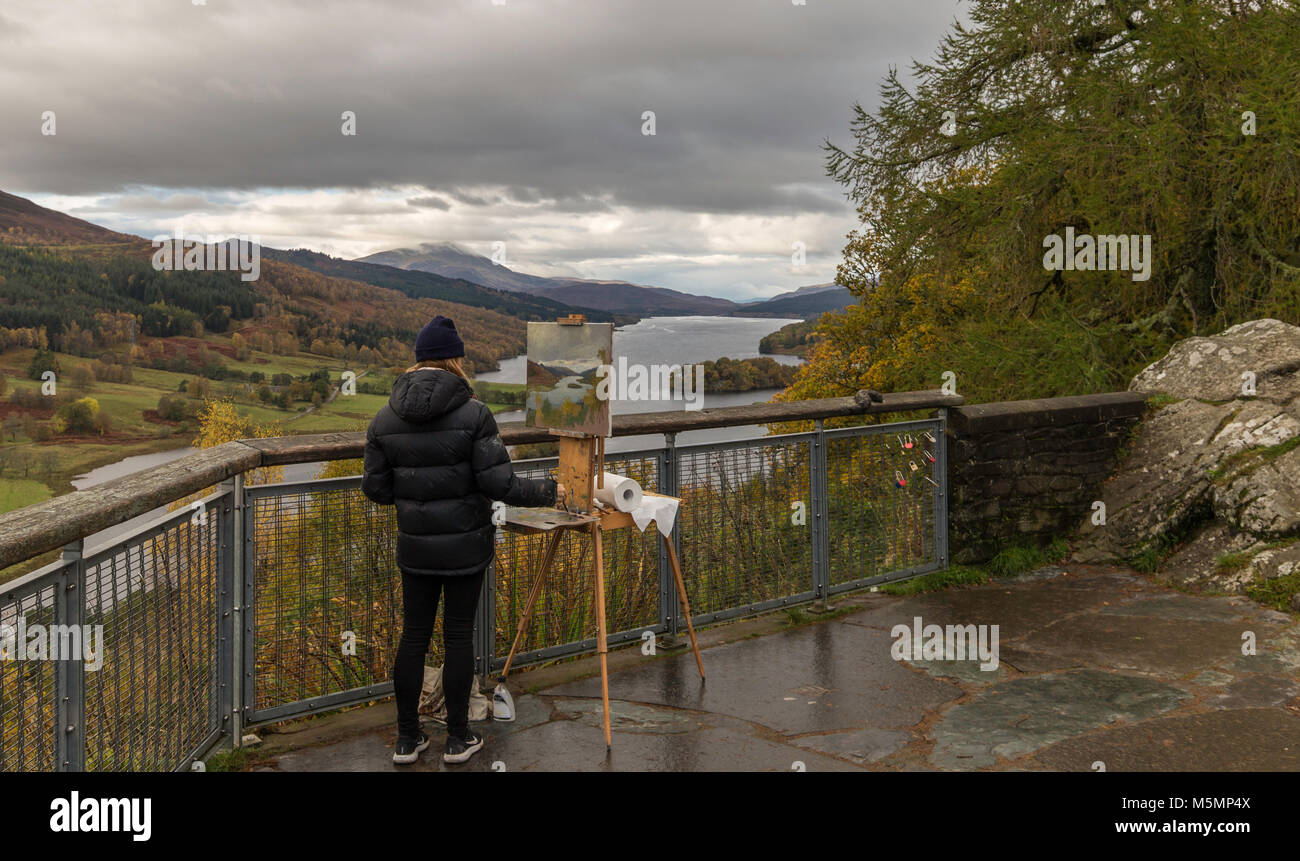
[{"x": 438, "y": 340}]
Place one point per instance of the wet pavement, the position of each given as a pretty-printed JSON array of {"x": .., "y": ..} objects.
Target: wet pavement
[{"x": 1096, "y": 668}]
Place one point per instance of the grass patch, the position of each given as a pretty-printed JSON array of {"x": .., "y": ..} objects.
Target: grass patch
[
  {"x": 955, "y": 575},
  {"x": 20, "y": 492},
  {"x": 1231, "y": 563},
  {"x": 1159, "y": 401},
  {"x": 796, "y": 615},
  {"x": 1256, "y": 457},
  {"x": 236, "y": 759},
  {"x": 1010, "y": 561},
  {"x": 297, "y": 365},
  {"x": 1276, "y": 593},
  {"x": 1020, "y": 558},
  {"x": 1148, "y": 561},
  {"x": 344, "y": 413}
]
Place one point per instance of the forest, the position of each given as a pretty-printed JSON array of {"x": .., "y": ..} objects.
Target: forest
[
  {"x": 1039, "y": 118},
  {"x": 53, "y": 290}
]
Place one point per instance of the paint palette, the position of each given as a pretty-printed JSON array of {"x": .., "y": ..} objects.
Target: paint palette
[{"x": 545, "y": 519}]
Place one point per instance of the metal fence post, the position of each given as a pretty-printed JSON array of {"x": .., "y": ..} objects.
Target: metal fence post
[
  {"x": 70, "y": 705},
  {"x": 485, "y": 638},
  {"x": 941, "y": 491},
  {"x": 229, "y": 569},
  {"x": 669, "y": 608},
  {"x": 820, "y": 520},
  {"x": 244, "y": 646}
]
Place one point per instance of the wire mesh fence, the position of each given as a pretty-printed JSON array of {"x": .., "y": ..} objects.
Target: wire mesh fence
[
  {"x": 28, "y": 689},
  {"x": 112, "y": 661},
  {"x": 285, "y": 599},
  {"x": 884, "y": 497},
  {"x": 744, "y": 524},
  {"x": 327, "y": 595},
  {"x": 151, "y": 691}
]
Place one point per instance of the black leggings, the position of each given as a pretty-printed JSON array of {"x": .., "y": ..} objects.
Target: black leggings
[{"x": 419, "y": 611}]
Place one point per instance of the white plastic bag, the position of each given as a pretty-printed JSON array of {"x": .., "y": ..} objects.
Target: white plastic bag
[{"x": 433, "y": 700}]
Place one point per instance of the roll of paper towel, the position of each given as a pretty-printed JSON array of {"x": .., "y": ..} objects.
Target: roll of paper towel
[{"x": 619, "y": 492}]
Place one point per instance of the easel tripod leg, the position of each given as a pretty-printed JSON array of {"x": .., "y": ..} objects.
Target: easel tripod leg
[
  {"x": 602, "y": 644},
  {"x": 686, "y": 604},
  {"x": 539, "y": 577}
]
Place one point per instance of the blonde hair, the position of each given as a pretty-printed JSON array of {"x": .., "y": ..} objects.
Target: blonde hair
[{"x": 455, "y": 365}]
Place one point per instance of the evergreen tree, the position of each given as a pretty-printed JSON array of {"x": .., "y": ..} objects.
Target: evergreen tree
[{"x": 1173, "y": 119}]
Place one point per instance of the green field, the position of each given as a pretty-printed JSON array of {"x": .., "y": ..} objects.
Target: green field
[
  {"x": 32, "y": 470},
  {"x": 18, "y": 492},
  {"x": 345, "y": 412}
]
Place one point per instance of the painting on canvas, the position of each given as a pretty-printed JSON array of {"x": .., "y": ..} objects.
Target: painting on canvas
[{"x": 563, "y": 366}]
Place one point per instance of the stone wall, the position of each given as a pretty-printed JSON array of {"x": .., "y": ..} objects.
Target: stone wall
[{"x": 1025, "y": 472}]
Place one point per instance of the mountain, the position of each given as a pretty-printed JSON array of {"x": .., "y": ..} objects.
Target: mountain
[
  {"x": 617, "y": 297},
  {"x": 441, "y": 272},
  {"x": 420, "y": 284},
  {"x": 815, "y": 288},
  {"x": 806, "y": 302},
  {"x": 621, "y": 296},
  {"x": 23, "y": 221},
  {"x": 451, "y": 261},
  {"x": 68, "y": 275}
]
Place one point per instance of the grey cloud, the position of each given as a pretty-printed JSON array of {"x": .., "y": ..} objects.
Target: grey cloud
[
  {"x": 134, "y": 203},
  {"x": 475, "y": 123},
  {"x": 541, "y": 97},
  {"x": 429, "y": 202},
  {"x": 10, "y": 31},
  {"x": 470, "y": 199}
]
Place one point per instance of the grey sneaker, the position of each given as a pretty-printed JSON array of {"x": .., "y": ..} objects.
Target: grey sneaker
[
  {"x": 461, "y": 749},
  {"x": 409, "y": 749}
]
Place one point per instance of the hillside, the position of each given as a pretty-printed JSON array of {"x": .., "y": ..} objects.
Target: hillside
[
  {"x": 793, "y": 339},
  {"x": 23, "y": 221},
  {"x": 451, "y": 261},
  {"x": 623, "y": 298},
  {"x": 806, "y": 302},
  {"x": 616, "y": 297},
  {"x": 419, "y": 284},
  {"x": 61, "y": 273},
  {"x": 620, "y": 296}
]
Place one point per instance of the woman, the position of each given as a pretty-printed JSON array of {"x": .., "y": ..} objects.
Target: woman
[{"x": 434, "y": 452}]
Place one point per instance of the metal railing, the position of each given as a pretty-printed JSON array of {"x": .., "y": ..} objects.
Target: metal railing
[
  {"x": 261, "y": 603},
  {"x": 158, "y": 691}
]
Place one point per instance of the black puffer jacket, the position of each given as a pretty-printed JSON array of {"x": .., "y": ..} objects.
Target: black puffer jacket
[{"x": 435, "y": 453}]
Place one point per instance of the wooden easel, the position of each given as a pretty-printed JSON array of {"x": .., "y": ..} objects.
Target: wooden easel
[{"x": 581, "y": 470}]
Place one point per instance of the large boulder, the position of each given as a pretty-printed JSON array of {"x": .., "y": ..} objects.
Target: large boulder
[
  {"x": 1197, "y": 564},
  {"x": 1216, "y": 472},
  {"x": 1213, "y": 368},
  {"x": 1262, "y": 496},
  {"x": 1175, "y": 472}
]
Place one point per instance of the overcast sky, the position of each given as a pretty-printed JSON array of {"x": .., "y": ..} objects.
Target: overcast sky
[{"x": 476, "y": 123}]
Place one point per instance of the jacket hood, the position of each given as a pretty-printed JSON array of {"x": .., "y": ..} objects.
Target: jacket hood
[{"x": 423, "y": 395}]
